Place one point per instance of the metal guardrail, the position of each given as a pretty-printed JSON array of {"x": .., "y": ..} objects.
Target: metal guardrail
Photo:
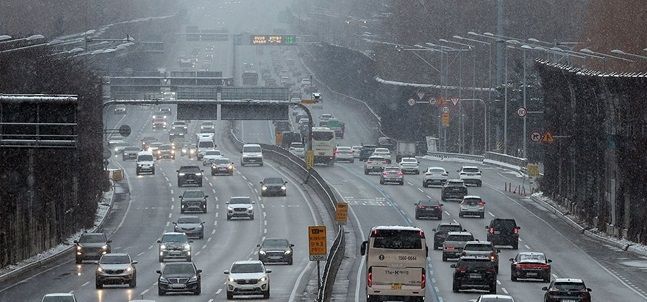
[
  {"x": 448, "y": 155},
  {"x": 298, "y": 166}
]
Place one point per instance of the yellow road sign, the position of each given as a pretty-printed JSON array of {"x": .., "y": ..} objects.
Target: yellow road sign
[
  {"x": 317, "y": 242},
  {"x": 278, "y": 138},
  {"x": 547, "y": 138},
  {"x": 310, "y": 159},
  {"x": 445, "y": 119},
  {"x": 341, "y": 212},
  {"x": 533, "y": 170},
  {"x": 308, "y": 101}
]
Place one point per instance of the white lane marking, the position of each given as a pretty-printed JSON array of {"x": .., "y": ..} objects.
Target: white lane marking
[
  {"x": 526, "y": 246},
  {"x": 209, "y": 239},
  {"x": 419, "y": 189},
  {"x": 145, "y": 291},
  {"x": 217, "y": 292},
  {"x": 214, "y": 192},
  {"x": 216, "y": 217},
  {"x": 265, "y": 222},
  {"x": 169, "y": 185},
  {"x": 215, "y": 223},
  {"x": 504, "y": 290},
  {"x": 264, "y": 231},
  {"x": 150, "y": 247},
  {"x": 520, "y": 239},
  {"x": 168, "y": 223},
  {"x": 86, "y": 283},
  {"x": 216, "y": 197},
  {"x": 172, "y": 207},
  {"x": 264, "y": 214},
  {"x": 490, "y": 213},
  {"x": 213, "y": 232},
  {"x": 171, "y": 191},
  {"x": 428, "y": 196},
  {"x": 498, "y": 282},
  {"x": 170, "y": 214},
  {"x": 263, "y": 206},
  {"x": 446, "y": 212},
  {"x": 555, "y": 276},
  {"x": 217, "y": 207},
  {"x": 455, "y": 221},
  {"x": 197, "y": 253},
  {"x": 204, "y": 246}
]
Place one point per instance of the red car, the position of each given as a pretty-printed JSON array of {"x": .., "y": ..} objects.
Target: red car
[{"x": 530, "y": 265}]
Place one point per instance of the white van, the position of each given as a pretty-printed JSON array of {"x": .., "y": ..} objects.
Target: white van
[
  {"x": 252, "y": 154},
  {"x": 145, "y": 162},
  {"x": 203, "y": 145}
]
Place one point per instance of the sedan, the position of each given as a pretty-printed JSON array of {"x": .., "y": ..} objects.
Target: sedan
[
  {"x": 222, "y": 166},
  {"x": 530, "y": 265},
  {"x": 429, "y": 209},
  {"x": 179, "y": 277},
  {"x": 273, "y": 186},
  {"x": 192, "y": 226},
  {"x": 392, "y": 174},
  {"x": 344, "y": 153}
]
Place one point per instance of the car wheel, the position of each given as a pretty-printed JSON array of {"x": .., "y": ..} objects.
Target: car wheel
[
  {"x": 436, "y": 247},
  {"x": 133, "y": 283},
  {"x": 512, "y": 276},
  {"x": 460, "y": 214},
  {"x": 402, "y": 183},
  {"x": 455, "y": 287},
  {"x": 266, "y": 294},
  {"x": 79, "y": 260},
  {"x": 98, "y": 285},
  {"x": 228, "y": 217},
  {"x": 188, "y": 259},
  {"x": 381, "y": 182},
  {"x": 251, "y": 217},
  {"x": 515, "y": 246},
  {"x": 417, "y": 217},
  {"x": 365, "y": 172},
  {"x": 424, "y": 184},
  {"x": 160, "y": 292},
  {"x": 230, "y": 296},
  {"x": 182, "y": 211},
  {"x": 444, "y": 258},
  {"x": 482, "y": 215},
  {"x": 204, "y": 210},
  {"x": 352, "y": 161},
  {"x": 153, "y": 172},
  {"x": 160, "y": 259},
  {"x": 213, "y": 174},
  {"x": 493, "y": 288},
  {"x": 198, "y": 291},
  {"x": 261, "y": 164},
  {"x": 202, "y": 235},
  {"x": 291, "y": 261},
  {"x": 241, "y": 164},
  {"x": 479, "y": 184}
]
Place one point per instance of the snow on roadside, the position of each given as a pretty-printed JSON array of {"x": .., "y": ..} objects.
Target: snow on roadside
[
  {"x": 102, "y": 211},
  {"x": 449, "y": 158}
]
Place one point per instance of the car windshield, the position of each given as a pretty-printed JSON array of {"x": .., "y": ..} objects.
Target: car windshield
[
  {"x": 470, "y": 170},
  {"x": 397, "y": 239},
  {"x": 114, "y": 259},
  {"x": 190, "y": 219},
  {"x": 166, "y": 147},
  {"x": 145, "y": 158},
  {"x": 322, "y": 135},
  {"x": 478, "y": 247},
  {"x": 449, "y": 228},
  {"x": 273, "y": 181},
  {"x": 460, "y": 238},
  {"x": 131, "y": 149},
  {"x": 474, "y": 263},
  {"x": 532, "y": 258},
  {"x": 207, "y": 125},
  {"x": 504, "y": 224},
  {"x": 455, "y": 184},
  {"x": 178, "y": 269},
  {"x": 496, "y": 299},
  {"x": 436, "y": 170},
  {"x": 428, "y": 203},
  {"x": 296, "y": 145},
  {"x": 205, "y": 144},
  {"x": 174, "y": 238},
  {"x": 392, "y": 170},
  {"x": 471, "y": 201},
  {"x": 179, "y": 123},
  {"x": 58, "y": 299},
  {"x": 240, "y": 200},
  {"x": 92, "y": 238},
  {"x": 252, "y": 149},
  {"x": 569, "y": 286},
  {"x": 221, "y": 161},
  {"x": 193, "y": 194},
  {"x": 381, "y": 150},
  {"x": 276, "y": 243},
  {"x": 245, "y": 268},
  {"x": 409, "y": 161},
  {"x": 344, "y": 149},
  {"x": 212, "y": 152}
]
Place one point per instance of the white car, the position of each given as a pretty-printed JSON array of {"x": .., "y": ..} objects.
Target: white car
[
  {"x": 61, "y": 297},
  {"x": 435, "y": 176},
  {"x": 470, "y": 175},
  {"x": 381, "y": 152},
  {"x": 209, "y": 156},
  {"x": 375, "y": 164},
  {"x": 409, "y": 165},
  {"x": 241, "y": 206},
  {"x": 252, "y": 154},
  {"x": 248, "y": 278},
  {"x": 344, "y": 153},
  {"x": 472, "y": 206},
  {"x": 297, "y": 149},
  {"x": 493, "y": 298},
  {"x": 356, "y": 150},
  {"x": 145, "y": 162},
  {"x": 325, "y": 116}
]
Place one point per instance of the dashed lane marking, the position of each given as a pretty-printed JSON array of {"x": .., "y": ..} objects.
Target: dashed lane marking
[
  {"x": 86, "y": 283},
  {"x": 144, "y": 292},
  {"x": 526, "y": 246},
  {"x": 504, "y": 290},
  {"x": 490, "y": 213},
  {"x": 209, "y": 239},
  {"x": 198, "y": 253}
]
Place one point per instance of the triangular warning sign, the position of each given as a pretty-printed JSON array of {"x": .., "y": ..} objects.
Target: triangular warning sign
[
  {"x": 420, "y": 95},
  {"x": 454, "y": 100},
  {"x": 547, "y": 138}
]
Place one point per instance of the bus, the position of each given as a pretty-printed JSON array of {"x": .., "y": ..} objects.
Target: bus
[
  {"x": 250, "y": 78},
  {"x": 396, "y": 263},
  {"x": 324, "y": 145}
]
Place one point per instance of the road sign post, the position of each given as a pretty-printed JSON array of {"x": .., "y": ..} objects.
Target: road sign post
[
  {"x": 535, "y": 136},
  {"x": 310, "y": 159},
  {"x": 445, "y": 119},
  {"x": 317, "y": 247},
  {"x": 522, "y": 111},
  {"x": 341, "y": 212}
]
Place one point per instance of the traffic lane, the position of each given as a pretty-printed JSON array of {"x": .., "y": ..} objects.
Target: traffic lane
[
  {"x": 256, "y": 132},
  {"x": 560, "y": 242}
]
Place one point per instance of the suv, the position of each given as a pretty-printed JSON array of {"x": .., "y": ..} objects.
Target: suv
[
  {"x": 503, "y": 232},
  {"x": 145, "y": 162},
  {"x": 240, "y": 207},
  {"x": 392, "y": 174},
  {"x": 472, "y": 206},
  {"x": 375, "y": 164},
  {"x": 429, "y": 209},
  {"x": 192, "y": 226},
  {"x": 454, "y": 189},
  {"x": 59, "y": 297},
  {"x": 222, "y": 165},
  {"x": 454, "y": 243},
  {"x": 174, "y": 245},
  {"x": 474, "y": 273},
  {"x": 435, "y": 176},
  {"x": 366, "y": 152},
  {"x": 130, "y": 152},
  {"x": 567, "y": 289},
  {"x": 91, "y": 246},
  {"x": 176, "y": 134},
  {"x": 180, "y": 126},
  {"x": 530, "y": 265},
  {"x": 189, "y": 175},
  {"x": 248, "y": 278},
  {"x": 470, "y": 175},
  {"x": 252, "y": 154},
  {"x": 165, "y": 151},
  {"x": 275, "y": 250},
  {"x": 207, "y": 127},
  {"x": 273, "y": 186},
  {"x": 116, "y": 269},
  {"x": 179, "y": 277},
  {"x": 193, "y": 200},
  {"x": 482, "y": 249},
  {"x": 441, "y": 231}
]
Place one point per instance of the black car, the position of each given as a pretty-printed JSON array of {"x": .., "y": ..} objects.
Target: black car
[
  {"x": 179, "y": 277},
  {"x": 429, "y": 209},
  {"x": 130, "y": 152},
  {"x": 193, "y": 200},
  {"x": 454, "y": 189},
  {"x": 567, "y": 289},
  {"x": 530, "y": 265},
  {"x": 165, "y": 151},
  {"x": 189, "y": 175},
  {"x": 440, "y": 232},
  {"x": 503, "y": 232},
  {"x": 91, "y": 246},
  {"x": 471, "y": 272},
  {"x": 366, "y": 152},
  {"x": 273, "y": 186},
  {"x": 275, "y": 250}
]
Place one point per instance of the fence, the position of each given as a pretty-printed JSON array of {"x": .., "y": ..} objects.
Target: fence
[{"x": 297, "y": 166}]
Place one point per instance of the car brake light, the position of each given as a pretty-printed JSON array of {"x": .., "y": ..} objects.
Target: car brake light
[
  {"x": 461, "y": 269},
  {"x": 384, "y": 173},
  {"x": 491, "y": 270},
  {"x": 400, "y": 173},
  {"x": 423, "y": 279},
  {"x": 491, "y": 230},
  {"x": 421, "y": 234},
  {"x": 482, "y": 203},
  {"x": 515, "y": 230},
  {"x": 369, "y": 278}
]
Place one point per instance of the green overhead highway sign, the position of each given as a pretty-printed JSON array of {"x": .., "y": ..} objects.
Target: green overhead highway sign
[{"x": 273, "y": 39}]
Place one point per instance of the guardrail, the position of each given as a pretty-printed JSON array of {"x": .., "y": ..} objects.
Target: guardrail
[
  {"x": 448, "y": 155},
  {"x": 297, "y": 166},
  {"x": 506, "y": 161}
]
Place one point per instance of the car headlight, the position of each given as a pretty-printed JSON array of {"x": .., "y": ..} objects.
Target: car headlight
[
  {"x": 263, "y": 188},
  {"x": 263, "y": 279},
  {"x": 78, "y": 248},
  {"x": 230, "y": 279},
  {"x": 262, "y": 252},
  {"x": 192, "y": 151},
  {"x": 193, "y": 279},
  {"x": 99, "y": 269},
  {"x": 162, "y": 247},
  {"x": 288, "y": 252},
  {"x": 198, "y": 174},
  {"x": 283, "y": 188},
  {"x": 180, "y": 174},
  {"x": 230, "y": 167},
  {"x": 129, "y": 269},
  {"x": 105, "y": 247},
  {"x": 187, "y": 246},
  {"x": 163, "y": 280}
]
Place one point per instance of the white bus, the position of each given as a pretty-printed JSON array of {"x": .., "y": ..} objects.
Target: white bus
[
  {"x": 396, "y": 263},
  {"x": 324, "y": 145}
]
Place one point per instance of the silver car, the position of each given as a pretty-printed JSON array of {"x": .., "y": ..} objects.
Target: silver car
[
  {"x": 116, "y": 268},
  {"x": 344, "y": 153},
  {"x": 392, "y": 174},
  {"x": 454, "y": 244},
  {"x": 192, "y": 226},
  {"x": 472, "y": 206}
]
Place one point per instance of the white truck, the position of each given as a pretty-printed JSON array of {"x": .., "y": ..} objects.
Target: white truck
[{"x": 405, "y": 149}]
